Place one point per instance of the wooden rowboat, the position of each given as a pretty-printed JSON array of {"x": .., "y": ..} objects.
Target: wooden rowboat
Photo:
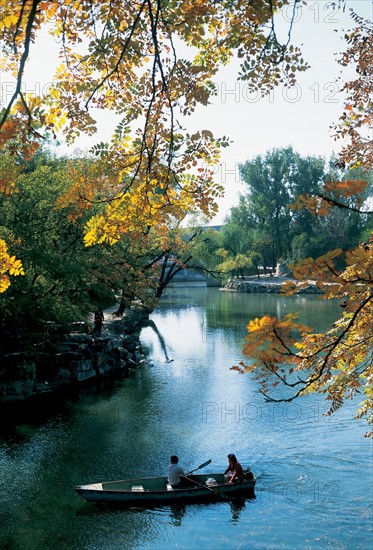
[{"x": 157, "y": 490}]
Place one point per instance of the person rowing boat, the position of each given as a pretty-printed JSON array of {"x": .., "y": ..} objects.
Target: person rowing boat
[{"x": 176, "y": 475}]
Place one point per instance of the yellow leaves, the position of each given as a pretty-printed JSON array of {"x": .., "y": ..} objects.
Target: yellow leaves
[
  {"x": 56, "y": 119},
  {"x": 99, "y": 230},
  {"x": 134, "y": 198},
  {"x": 9, "y": 20},
  {"x": 222, "y": 252},
  {"x": 9, "y": 171},
  {"x": 102, "y": 68},
  {"x": 264, "y": 324},
  {"x": 16, "y": 268},
  {"x": 369, "y": 392},
  {"x": 8, "y": 265},
  {"x": 130, "y": 213},
  {"x": 270, "y": 342},
  {"x": 4, "y": 281}
]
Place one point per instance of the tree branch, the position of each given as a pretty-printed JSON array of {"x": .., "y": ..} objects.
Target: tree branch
[
  {"x": 30, "y": 22},
  {"x": 342, "y": 205}
]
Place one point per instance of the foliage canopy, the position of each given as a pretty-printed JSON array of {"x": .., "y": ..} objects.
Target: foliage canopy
[{"x": 124, "y": 56}]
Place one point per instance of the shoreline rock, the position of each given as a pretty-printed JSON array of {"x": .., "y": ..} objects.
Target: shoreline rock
[
  {"x": 268, "y": 284},
  {"x": 74, "y": 360}
]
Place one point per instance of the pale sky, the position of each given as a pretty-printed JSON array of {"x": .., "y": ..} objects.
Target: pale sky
[{"x": 300, "y": 116}]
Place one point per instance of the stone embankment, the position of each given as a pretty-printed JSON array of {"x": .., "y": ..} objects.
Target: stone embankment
[
  {"x": 74, "y": 359},
  {"x": 265, "y": 284}
]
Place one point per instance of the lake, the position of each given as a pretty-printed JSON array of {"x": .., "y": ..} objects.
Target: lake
[{"x": 315, "y": 481}]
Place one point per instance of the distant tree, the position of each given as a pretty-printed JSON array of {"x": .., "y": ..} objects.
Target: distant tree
[
  {"x": 274, "y": 180},
  {"x": 238, "y": 251}
]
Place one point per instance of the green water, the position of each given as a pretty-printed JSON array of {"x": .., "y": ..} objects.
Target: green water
[{"x": 314, "y": 486}]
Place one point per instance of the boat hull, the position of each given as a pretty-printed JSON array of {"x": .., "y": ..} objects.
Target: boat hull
[{"x": 140, "y": 492}]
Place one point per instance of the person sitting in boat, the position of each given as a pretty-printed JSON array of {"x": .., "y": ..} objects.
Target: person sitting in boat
[
  {"x": 174, "y": 473},
  {"x": 234, "y": 473}
]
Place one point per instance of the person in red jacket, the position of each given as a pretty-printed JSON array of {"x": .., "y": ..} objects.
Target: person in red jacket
[{"x": 234, "y": 472}]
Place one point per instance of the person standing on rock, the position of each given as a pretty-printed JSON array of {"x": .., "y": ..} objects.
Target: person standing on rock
[{"x": 98, "y": 322}]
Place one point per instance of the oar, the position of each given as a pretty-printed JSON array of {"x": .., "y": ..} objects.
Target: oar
[
  {"x": 199, "y": 467},
  {"x": 215, "y": 491}
]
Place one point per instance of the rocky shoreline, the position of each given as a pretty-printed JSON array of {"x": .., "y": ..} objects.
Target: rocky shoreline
[
  {"x": 75, "y": 359},
  {"x": 268, "y": 284}
]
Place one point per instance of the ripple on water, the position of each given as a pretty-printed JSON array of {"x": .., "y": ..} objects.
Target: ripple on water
[{"x": 313, "y": 478}]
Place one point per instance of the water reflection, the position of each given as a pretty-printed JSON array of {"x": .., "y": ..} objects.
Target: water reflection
[
  {"x": 150, "y": 323},
  {"x": 237, "y": 506},
  {"x": 197, "y": 408},
  {"x": 176, "y": 512}
]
